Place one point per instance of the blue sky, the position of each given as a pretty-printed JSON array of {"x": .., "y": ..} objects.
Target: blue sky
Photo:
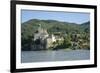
[{"x": 73, "y": 17}]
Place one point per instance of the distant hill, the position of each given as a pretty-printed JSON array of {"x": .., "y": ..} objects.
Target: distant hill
[
  {"x": 53, "y": 26},
  {"x": 86, "y": 26}
]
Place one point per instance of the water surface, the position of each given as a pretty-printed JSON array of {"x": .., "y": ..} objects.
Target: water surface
[{"x": 59, "y": 55}]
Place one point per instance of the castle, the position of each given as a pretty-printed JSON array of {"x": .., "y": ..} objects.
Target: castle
[{"x": 43, "y": 40}]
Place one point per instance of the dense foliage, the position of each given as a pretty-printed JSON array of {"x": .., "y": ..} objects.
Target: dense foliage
[{"x": 70, "y": 29}]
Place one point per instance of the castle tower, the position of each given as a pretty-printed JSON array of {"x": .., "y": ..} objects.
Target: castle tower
[{"x": 40, "y": 28}]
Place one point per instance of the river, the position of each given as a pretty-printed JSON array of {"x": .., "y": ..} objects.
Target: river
[{"x": 59, "y": 55}]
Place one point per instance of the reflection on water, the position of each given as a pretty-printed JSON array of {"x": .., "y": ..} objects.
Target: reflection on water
[{"x": 60, "y": 55}]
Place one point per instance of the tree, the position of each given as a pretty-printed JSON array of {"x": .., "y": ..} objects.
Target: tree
[{"x": 67, "y": 42}]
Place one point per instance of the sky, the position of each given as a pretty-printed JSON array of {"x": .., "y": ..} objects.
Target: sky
[{"x": 72, "y": 17}]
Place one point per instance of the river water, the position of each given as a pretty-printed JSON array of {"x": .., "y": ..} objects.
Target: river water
[{"x": 59, "y": 55}]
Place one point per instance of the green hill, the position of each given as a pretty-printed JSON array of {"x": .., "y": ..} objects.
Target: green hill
[{"x": 29, "y": 27}]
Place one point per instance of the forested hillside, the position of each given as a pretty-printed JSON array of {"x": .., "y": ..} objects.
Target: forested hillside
[{"x": 52, "y": 26}]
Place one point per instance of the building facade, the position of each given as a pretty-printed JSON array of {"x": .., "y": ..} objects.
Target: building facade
[{"x": 43, "y": 40}]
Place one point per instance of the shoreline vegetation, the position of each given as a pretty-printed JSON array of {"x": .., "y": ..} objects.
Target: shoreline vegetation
[
  {"x": 55, "y": 35},
  {"x": 68, "y": 49}
]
